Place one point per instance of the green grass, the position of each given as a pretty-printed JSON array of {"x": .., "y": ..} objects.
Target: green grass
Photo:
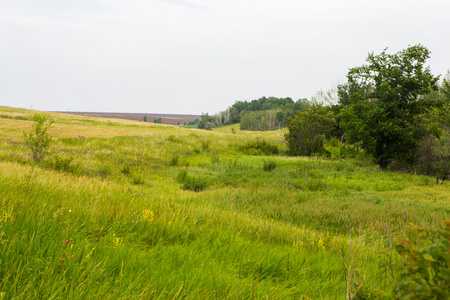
[{"x": 107, "y": 215}]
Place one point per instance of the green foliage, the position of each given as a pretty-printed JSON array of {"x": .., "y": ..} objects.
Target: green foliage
[
  {"x": 445, "y": 87},
  {"x": 206, "y": 122},
  {"x": 258, "y": 147},
  {"x": 174, "y": 139},
  {"x": 306, "y": 132},
  {"x": 158, "y": 120},
  {"x": 385, "y": 100},
  {"x": 269, "y": 165},
  {"x": 39, "y": 140},
  {"x": 206, "y": 145},
  {"x": 262, "y": 120},
  {"x": 62, "y": 163},
  {"x": 192, "y": 123},
  {"x": 145, "y": 118},
  {"x": 441, "y": 156},
  {"x": 246, "y": 111},
  {"x": 426, "y": 273},
  {"x": 126, "y": 170},
  {"x": 174, "y": 160},
  {"x": 249, "y": 235},
  {"x": 181, "y": 176},
  {"x": 192, "y": 183}
]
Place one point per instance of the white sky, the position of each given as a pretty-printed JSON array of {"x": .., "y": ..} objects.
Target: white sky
[{"x": 194, "y": 56}]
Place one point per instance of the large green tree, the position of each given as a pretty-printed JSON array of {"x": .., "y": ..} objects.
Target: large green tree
[{"x": 382, "y": 101}]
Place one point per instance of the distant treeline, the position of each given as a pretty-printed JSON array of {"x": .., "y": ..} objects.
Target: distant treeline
[{"x": 260, "y": 114}]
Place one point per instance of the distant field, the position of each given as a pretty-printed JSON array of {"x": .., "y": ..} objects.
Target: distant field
[{"x": 165, "y": 118}]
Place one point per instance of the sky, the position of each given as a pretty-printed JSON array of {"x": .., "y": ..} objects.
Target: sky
[{"x": 198, "y": 56}]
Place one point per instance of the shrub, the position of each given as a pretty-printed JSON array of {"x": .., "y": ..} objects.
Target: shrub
[
  {"x": 427, "y": 271},
  {"x": 434, "y": 156},
  {"x": 62, "y": 163},
  {"x": 182, "y": 175},
  {"x": 192, "y": 183},
  {"x": 195, "y": 183},
  {"x": 205, "y": 145},
  {"x": 126, "y": 170},
  {"x": 258, "y": 147},
  {"x": 306, "y": 132},
  {"x": 269, "y": 165},
  {"x": 39, "y": 140},
  {"x": 137, "y": 180},
  {"x": 174, "y": 139},
  {"x": 174, "y": 160}
]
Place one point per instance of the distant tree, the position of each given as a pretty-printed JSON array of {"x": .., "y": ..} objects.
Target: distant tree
[
  {"x": 262, "y": 120},
  {"x": 445, "y": 87},
  {"x": 206, "y": 122},
  {"x": 287, "y": 106},
  {"x": 384, "y": 102},
  {"x": 145, "y": 118}
]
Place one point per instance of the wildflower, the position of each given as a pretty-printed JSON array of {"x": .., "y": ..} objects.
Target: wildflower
[
  {"x": 320, "y": 244},
  {"x": 147, "y": 215},
  {"x": 117, "y": 241},
  {"x": 7, "y": 216}
]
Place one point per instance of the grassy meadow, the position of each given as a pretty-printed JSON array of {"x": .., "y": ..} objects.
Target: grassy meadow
[{"x": 131, "y": 210}]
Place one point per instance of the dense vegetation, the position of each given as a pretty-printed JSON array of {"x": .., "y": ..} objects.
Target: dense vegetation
[
  {"x": 393, "y": 108},
  {"x": 261, "y": 114},
  {"x": 133, "y": 210}
]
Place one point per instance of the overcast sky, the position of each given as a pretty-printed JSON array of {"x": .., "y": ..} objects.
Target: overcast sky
[{"x": 194, "y": 56}]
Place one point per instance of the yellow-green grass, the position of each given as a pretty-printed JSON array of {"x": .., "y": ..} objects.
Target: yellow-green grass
[{"x": 105, "y": 215}]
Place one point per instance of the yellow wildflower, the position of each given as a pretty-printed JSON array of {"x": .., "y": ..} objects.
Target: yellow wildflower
[
  {"x": 7, "y": 216},
  {"x": 147, "y": 215},
  {"x": 320, "y": 244},
  {"x": 117, "y": 241}
]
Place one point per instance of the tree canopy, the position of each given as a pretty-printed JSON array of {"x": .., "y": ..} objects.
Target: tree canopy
[{"x": 382, "y": 101}]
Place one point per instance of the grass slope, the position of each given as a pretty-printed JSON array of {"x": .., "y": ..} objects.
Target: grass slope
[{"x": 129, "y": 210}]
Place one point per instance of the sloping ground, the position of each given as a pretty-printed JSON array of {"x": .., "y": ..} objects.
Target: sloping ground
[{"x": 121, "y": 209}]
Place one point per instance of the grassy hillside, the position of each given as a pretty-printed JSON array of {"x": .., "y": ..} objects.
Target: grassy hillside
[{"x": 131, "y": 210}]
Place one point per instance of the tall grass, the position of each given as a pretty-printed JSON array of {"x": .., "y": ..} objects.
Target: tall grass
[{"x": 107, "y": 215}]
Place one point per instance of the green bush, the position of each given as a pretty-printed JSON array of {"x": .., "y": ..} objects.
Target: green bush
[
  {"x": 174, "y": 160},
  {"x": 205, "y": 145},
  {"x": 192, "y": 183},
  {"x": 182, "y": 175},
  {"x": 62, "y": 163},
  {"x": 307, "y": 131},
  {"x": 426, "y": 273},
  {"x": 174, "y": 139},
  {"x": 195, "y": 183},
  {"x": 126, "y": 170},
  {"x": 269, "y": 165},
  {"x": 258, "y": 147}
]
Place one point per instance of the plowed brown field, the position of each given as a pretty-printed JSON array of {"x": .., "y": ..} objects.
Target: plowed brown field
[{"x": 165, "y": 118}]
